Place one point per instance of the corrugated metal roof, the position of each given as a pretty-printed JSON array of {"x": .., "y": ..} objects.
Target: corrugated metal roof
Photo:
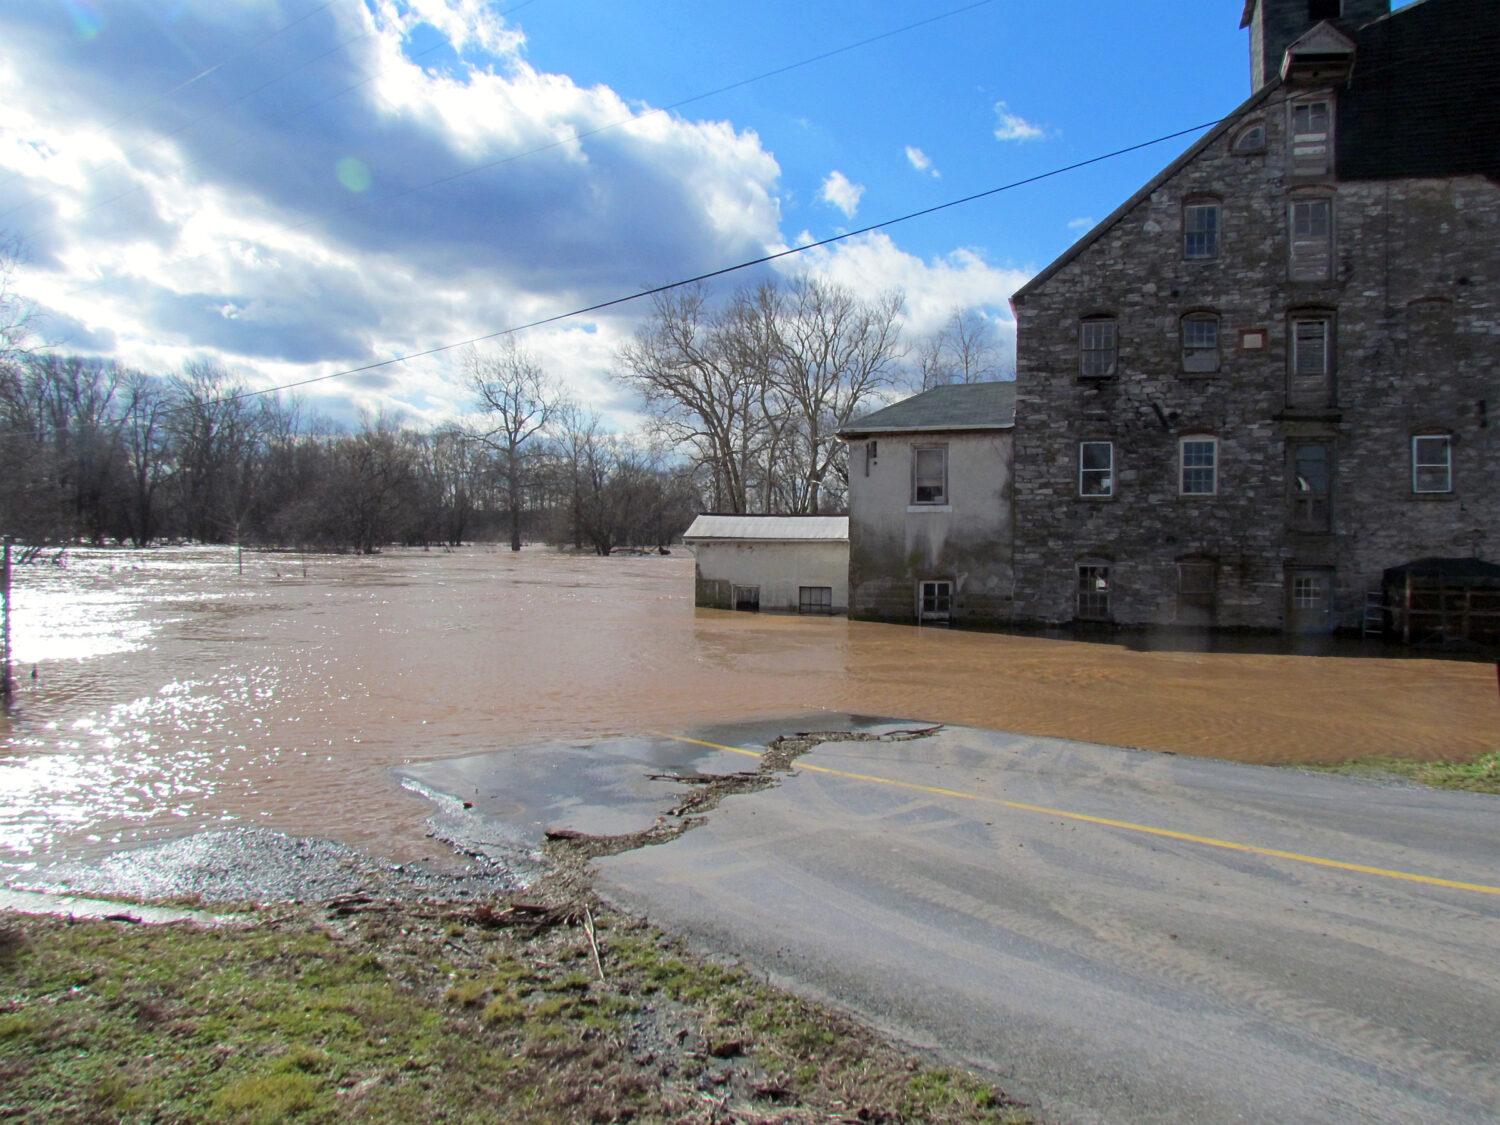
[
  {"x": 777, "y": 528},
  {"x": 956, "y": 406}
]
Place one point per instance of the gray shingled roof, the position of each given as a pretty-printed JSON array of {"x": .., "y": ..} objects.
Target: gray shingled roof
[{"x": 957, "y": 406}]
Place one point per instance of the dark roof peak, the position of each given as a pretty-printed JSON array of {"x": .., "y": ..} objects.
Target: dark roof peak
[{"x": 950, "y": 407}]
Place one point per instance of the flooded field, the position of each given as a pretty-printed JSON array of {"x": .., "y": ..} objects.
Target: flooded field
[{"x": 173, "y": 693}]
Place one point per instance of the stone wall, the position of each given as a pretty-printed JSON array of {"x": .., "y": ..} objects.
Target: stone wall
[{"x": 1414, "y": 301}]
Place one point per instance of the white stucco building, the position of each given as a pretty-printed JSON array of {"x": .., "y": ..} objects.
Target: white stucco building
[
  {"x": 930, "y": 494},
  {"x": 777, "y": 564}
]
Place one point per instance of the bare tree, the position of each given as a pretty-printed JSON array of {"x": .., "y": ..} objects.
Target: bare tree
[
  {"x": 519, "y": 400},
  {"x": 704, "y": 376},
  {"x": 967, "y": 349},
  {"x": 835, "y": 351}
]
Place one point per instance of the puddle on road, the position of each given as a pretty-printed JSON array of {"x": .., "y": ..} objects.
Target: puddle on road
[{"x": 176, "y": 695}]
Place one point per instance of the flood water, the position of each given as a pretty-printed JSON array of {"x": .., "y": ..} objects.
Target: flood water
[{"x": 174, "y": 693}]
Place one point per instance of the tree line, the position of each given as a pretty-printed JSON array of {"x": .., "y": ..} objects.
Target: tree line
[
  {"x": 93, "y": 451},
  {"x": 742, "y": 400}
]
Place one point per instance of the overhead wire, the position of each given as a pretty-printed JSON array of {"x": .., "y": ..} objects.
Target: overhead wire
[{"x": 723, "y": 271}]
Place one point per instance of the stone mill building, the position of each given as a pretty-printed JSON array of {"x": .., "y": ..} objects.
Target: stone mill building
[{"x": 1274, "y": 371}]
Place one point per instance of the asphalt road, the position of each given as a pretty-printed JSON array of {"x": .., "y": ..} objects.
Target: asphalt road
[{"x": 966, "y": 895}]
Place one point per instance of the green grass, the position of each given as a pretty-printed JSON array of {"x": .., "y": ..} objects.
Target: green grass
[
  {"x": 400, "y": 1016},
  {"x": 1481, "y": 775}
]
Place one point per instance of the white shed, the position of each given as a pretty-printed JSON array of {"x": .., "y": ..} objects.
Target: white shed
[{"x": 780, "y": 564}]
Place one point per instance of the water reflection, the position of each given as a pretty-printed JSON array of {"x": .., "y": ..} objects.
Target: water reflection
[{"x": 174, "y": 693}]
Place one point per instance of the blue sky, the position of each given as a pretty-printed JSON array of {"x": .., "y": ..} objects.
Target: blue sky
[{"x": 295, "y": 187}]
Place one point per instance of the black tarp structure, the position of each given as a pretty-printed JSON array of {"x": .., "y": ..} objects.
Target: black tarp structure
[{"x": 1445, "y": 603}]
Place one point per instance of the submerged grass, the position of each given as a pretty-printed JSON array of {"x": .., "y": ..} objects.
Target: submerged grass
[
  {"x": 404, "y": 1012},
  {"x": 1482, "y": 775}
]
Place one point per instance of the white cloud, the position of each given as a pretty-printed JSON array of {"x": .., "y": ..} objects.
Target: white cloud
[
  {"x": 873, "y": 264},
  {"x": 1013, "y": 127},
  {"x": 838, "y": 191},
  {"x": 1085, "y": 223},
  {"x": 921, "y": 161},
  {"x": 156, "y": 239}
]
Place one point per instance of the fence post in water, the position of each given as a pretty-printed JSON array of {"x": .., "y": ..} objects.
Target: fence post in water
[{"x": 5, "y": 685}]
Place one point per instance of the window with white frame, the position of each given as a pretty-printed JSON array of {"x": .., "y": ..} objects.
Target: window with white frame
[
  {"x": 1198, "y": 465},
  {"x": 1432, "y": 463},
  {"x": 929, "y": 474},
  {"x": 1311, "y": 242},
  {"x": 1200, "y": 229},
  {"x": 1310, "y": 365},
  {"x": 1093, "y": 592},
  {"x": 1312, "y": 137},
  {"x": 1200, "y": 343},
  {"x": 1096, "y": 469},
  {"x": 1097, "y": 347}
]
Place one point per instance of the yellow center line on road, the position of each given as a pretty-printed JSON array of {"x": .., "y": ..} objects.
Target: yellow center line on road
[{"x": 1207, "y": 841}]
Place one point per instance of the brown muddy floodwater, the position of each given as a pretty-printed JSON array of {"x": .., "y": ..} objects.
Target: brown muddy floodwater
[{"x": 173, "y": 693}]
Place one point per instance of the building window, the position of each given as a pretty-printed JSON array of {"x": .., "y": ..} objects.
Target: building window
[
  {"x": 1197, "y": 587},
  {"x": 1198, "y": 458},
  {"x": 1311, "y": 479},
  {"x": 1309, "y": 591},
  {"x": 1324, "y": 10},
  {"x": 1097, "y": 346},
  {"x": 1311, "y": 242},
  {"x": 747, "y": 598},
  {"x": 871, "y": 452},
  {"x": 1251, "y": 139},
  {"x": 929, "y": 475},
  {"x": 1200, "y": 343},
  {"x": 1310, "y": 369},
  {"x": 1312, "y": 137},
  {"x": 1096, "y": 468},
  {"x": 1432, "y": 463},
  {"x": 815, "y": 599},
  {"x": 1200, "y": 230},
  {"x": 935, "y": 600},
  {"x": 1093, "y": 592}
]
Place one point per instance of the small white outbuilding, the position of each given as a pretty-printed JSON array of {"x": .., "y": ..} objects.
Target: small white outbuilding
[{"x": 775, "y": 564}]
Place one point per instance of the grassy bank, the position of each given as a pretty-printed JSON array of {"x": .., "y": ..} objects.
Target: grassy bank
[
  {"x": 377, "y": 1011},
  {"x": 1482, "y": 775}
]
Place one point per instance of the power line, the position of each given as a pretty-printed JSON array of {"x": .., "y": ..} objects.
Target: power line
[
  {"x": 573, "y": 137},
  {"x": 711, "y": 274}
]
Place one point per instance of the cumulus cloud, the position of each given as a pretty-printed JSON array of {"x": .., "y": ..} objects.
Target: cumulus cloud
[
  {"x": 921, "y": 161},
  {"x": 331, "y": 199},
  {"x": 1013, "y": 127},
  {"x": 838, "y": 191},
  {"x": 873, "y": 264}
]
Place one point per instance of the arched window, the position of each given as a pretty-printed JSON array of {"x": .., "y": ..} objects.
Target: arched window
[{"x": 1251, "y": 139}]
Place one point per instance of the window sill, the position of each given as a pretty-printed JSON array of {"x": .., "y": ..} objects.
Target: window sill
[
  {"x": 913, "y": 508},
  {"x": 1430, "y": 497}
]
